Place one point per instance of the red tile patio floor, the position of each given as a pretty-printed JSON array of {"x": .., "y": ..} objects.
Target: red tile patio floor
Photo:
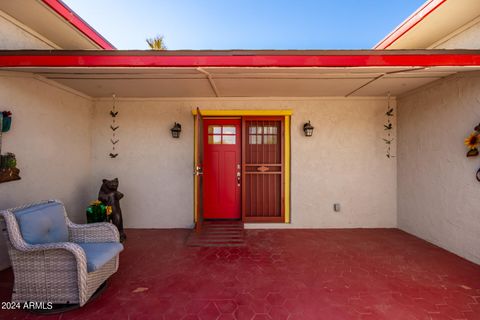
[{"x": 282, "y": 274}]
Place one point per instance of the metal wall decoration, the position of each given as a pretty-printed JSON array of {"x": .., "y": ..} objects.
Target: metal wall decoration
[
  {"x": 388, "y": 127},
  {"x": 114, "y": 127},
  {"x": 473, "y": 143},
  {"x": 8, "y": 162}
]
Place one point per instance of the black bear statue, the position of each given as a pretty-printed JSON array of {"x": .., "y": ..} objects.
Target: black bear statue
[{"x": 110, "y": 196}]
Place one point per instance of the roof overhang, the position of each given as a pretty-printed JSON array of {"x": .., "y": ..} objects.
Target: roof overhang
[
  {"x": 433, "y": 21},
  {"x": 55, "y": 21},
  {"x": 238, "y": 58},
  {"x": 242, "y": 73}
]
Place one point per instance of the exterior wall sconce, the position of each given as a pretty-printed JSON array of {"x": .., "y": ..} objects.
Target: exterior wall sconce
[
  {"x": 176, "y": 129},
  {"x": 308, "y": 129}
]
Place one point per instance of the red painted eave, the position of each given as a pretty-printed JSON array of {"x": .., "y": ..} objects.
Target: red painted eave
[
  {"x": 350, "y": 58},
  {"x": 419, "y": 15},
  {"x": 75, "y": 20}
]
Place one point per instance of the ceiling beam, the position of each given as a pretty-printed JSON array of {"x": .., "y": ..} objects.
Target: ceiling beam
[
  {"x": 379, "y": 77},
  {"x": 210, "y": 79}
]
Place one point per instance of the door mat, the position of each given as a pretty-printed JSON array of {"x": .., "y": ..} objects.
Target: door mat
[{"x": 218, "y": 233}]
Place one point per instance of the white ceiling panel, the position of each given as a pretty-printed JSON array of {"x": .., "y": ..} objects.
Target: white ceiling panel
[
  {"x": 244, "y": 82},
  {"x": 100, "y": 70},
  {"x": 141, "y": 88},
  {"x": 394, "y": 86},
  {"x": 306, "y": 70},
  {"x": 286, "y": 87}
]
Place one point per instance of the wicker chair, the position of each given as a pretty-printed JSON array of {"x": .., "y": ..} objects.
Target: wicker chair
[{"x": 55, "y": 260}]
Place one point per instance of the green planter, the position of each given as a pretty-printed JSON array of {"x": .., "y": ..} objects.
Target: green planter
[
  {"x": 6, "y": 124},
  {"x": 96, "y": 213},
  {"x": 8, "y": 161}
]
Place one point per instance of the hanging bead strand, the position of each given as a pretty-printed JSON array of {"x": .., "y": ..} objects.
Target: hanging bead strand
[
  {"x": 114, "y": 140},
  {"x": 389, "y": 127}
]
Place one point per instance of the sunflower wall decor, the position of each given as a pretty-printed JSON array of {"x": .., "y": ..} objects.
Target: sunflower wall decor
[{"x": 473, "y": 143}]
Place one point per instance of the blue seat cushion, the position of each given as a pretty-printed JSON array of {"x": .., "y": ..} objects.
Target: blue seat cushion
[
  {"x": 43, "y": 223},
  {"x": 99, "y": 253}
]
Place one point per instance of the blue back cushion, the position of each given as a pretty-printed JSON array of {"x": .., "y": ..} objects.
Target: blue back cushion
[{"x": 44, "y": 223}]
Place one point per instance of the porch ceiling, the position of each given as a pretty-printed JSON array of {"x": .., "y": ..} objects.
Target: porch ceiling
[{"x": 261, "y": 74}]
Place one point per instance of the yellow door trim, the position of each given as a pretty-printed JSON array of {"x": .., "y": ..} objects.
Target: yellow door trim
[
  {"x": 287, "y": 169},
  {"x": 195, "y": 177},
  {"x": 287, "y": 151},
  {"x": 229, "y": 113}
]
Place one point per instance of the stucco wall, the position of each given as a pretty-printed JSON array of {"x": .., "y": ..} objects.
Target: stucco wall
[
  {"x": 438, "y": 195},
  {"x": 12, "y": 37},
  {"x": 51, "y": 139},
  {"x": 466, "y": 38},
  {"x": 343, "y": 162}
]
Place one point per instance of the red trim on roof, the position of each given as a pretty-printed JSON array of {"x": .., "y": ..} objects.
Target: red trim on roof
[
  {"x": 328, "y": 60},
  {"x": 68, "y": 14},
  {"x": 409, "y": 23}
]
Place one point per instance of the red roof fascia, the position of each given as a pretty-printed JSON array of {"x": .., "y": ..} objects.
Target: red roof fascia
[
  {"x": 409, "y": 23},
  {"x": 332, "y": 60},
  {"x": 68, "y": 14}
]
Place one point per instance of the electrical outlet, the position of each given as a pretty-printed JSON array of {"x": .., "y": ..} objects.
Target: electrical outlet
[{"x": 336, "y": 207}]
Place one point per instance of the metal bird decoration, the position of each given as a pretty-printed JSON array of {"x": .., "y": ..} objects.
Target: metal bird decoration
[
  {"x": 114, "y": 140},
  {"x": 388, "y": 128}
]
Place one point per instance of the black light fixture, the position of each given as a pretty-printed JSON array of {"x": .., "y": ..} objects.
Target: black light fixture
[
  {"x": 177, "y": 128},
  {"x": 308, "y": 129}
]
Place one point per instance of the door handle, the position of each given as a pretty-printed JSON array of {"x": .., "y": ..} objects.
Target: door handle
[
  {"x": 239, "y": 175},
  {"x": 197, "y": 171}
]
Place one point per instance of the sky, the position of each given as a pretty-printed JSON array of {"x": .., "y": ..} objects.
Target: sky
[{"x": 245, "y": 24}]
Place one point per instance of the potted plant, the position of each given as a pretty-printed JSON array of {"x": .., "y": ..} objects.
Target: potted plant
[
  {"x": 98, "y": 212},
  {"x": 8, "y": 160}
]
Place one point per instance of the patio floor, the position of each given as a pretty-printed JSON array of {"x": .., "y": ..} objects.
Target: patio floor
[{"x": 282, "y": 274}]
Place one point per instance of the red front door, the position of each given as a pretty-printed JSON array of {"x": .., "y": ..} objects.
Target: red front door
[{"x": 221, "y": 169}]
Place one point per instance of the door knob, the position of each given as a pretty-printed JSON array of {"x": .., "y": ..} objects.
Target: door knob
[
  {"x": 239, "y": 175},
  {"x": 197, "y": 171}
]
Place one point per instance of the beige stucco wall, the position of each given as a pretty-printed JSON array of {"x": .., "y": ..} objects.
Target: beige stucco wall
[
  {"x": 343, "y": 162},
  {"x": 438, "y": 195},
  {"x": 51, "y": 138},
  {"x": 15, "y": 36},
  {"x": 467, "y": 37}
]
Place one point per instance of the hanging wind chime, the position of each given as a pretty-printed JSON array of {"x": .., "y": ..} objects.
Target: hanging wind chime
[
  {"x": 388, "y": 127},
  {"x": 114, "y": 140}
]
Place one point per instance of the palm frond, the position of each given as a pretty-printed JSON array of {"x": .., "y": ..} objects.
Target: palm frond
[{"x": 157, "y": 43}]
